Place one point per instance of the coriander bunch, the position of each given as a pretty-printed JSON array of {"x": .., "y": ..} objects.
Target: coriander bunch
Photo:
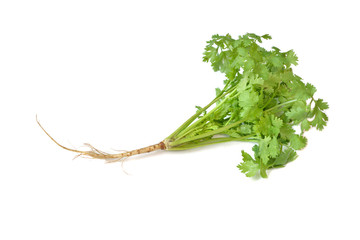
[{"x": 262, "y": 101}]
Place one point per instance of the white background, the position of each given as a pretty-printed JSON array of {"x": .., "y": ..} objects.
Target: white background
[{"x": 125, "y": 74}]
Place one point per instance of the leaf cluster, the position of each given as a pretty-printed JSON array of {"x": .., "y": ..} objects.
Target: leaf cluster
[{"x": 262, "y": 101}]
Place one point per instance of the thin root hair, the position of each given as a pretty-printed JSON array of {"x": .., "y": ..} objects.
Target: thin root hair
[{"x": 92, "y": 153}]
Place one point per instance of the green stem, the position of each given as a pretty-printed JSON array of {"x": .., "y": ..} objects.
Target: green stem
[
  {"x": 211, "y": 141},
  {"x": 282, "y": 104},
  {"x": 204, "y": 135},
  {"x": 191, "y": 129},
  {"x": 272, "y": 97},
  {"x": 185, "y": 128},
  {"x": 193, "y": 117},
  {"x": 312, "y": 100}
]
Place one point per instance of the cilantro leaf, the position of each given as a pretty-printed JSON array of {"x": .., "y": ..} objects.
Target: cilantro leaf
[
  {"x": 266, "y": 36},
  {"x": 291, "y": 58},
  {"x": 298, "y": 142},
  {"x": 298, "y": 112},
  {"x": 285, "y": 157},
  {"x": 269, "y": 125},
  {"x": 320, "y": 118},
  {"x": 305, "y": 125},
  {"x": 310, "y": 89},
  {"x": 248, "y": 166},
  {"x": 268, "y": 148}
]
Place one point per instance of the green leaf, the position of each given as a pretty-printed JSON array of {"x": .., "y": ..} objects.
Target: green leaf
[
  {"x": 298, "y": 89},
  {"x": 246, "y": 41},
  {"x": 297, "y": 112},
  {"x": 268, "y": 148},
  {"x": 249, "y": 64},
  {"x": 274, "y": 148},
  {"x": 264, "y": 149},
  {"x": 217, "y": 91},
  {"x": 305, "y": 125},
  {"x": 320, "y": 118},
  {"x": 238, "y": 62},
  {"x": 266, "y": 36},
  {"x": 298, "y": 142},
  {"x": 276, "y": 124},
  {"x": 277, "y": 61},
  {"x": 285, "y": 157},
  {"x": 242, "y": 52},
  {"x": 269, "y": 125},
  {"x": 248, "y": 101},
  {"x": 248, "y": 98},
  {"x": 248, "y": 166},
  {"x": 310, "y": 89},
  {"x": 291, "y": 58},
  {"x": 254, "y": 36},
  {"x": 246, "y": 156},
  {"x": 245, "y": 129},
  {"x": 256, "y": 80},
  {"x": 286, "y": 132}
]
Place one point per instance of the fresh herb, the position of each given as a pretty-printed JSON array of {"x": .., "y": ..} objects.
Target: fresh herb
[{"x": 262, "y": 101}]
